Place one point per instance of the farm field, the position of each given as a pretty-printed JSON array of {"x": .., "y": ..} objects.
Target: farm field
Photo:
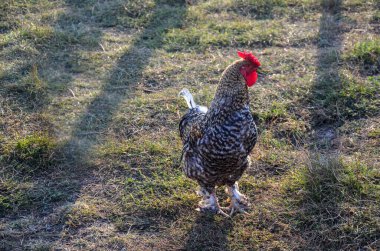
[{"x": 89, "y": 113}]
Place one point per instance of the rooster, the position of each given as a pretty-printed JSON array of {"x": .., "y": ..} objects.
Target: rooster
[{"x": 217, "y": 141}]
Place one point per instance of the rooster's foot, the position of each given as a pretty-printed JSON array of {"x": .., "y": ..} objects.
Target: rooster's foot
[
  {"x": 239, "y": 202},
  {"x": 209, "y": 203}
]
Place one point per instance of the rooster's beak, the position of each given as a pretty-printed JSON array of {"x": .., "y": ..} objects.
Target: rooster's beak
[{"x": 261, "y": 72}]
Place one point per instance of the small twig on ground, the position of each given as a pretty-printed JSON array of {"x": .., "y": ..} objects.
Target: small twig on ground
[
  {"x": 148, "y": 90},
  {"x": 72, "y": 93},
  {"x": 101, "y": 46}
]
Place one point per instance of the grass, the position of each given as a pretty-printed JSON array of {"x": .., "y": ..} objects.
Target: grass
[
  {"x": 367, "y": 52},
  {"x": 329, "y": 195},
  {"x": 89, "y": 148},
  {"x": 360, "y": 99},
  {"x": 34, "y": 152}
]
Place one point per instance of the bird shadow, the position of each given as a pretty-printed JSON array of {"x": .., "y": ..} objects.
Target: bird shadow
[{"x": 209, "y": 232}]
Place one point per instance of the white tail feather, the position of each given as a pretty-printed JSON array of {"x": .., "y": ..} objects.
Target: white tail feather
[
  {"x": 185, "y": 93},
  {"x": 188, "y": 97}
]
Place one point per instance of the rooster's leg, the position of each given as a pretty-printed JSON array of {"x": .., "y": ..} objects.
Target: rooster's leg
[
  {"x": 239, "y": 202},
  {"x": 209, "y": 202}
]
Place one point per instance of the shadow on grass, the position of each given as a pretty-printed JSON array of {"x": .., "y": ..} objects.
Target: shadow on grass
[
  {"x": 39, "y": 52},
  {"x": 329, "y": 194},
  {"x": 320, "y": 198},
  {"x": 209, "y": 232},
  {"x": 88, "y": 131},
  {"x": 43, "y": 58},
  {"x": 128, "y": 69},
  {"x": 336, "y": 95},
  {"x": 327, "y": 73},
  {"x": 335, "y": 204},
  {"x": 75, "y": 165},
  {"x": 259, "y": 9}
]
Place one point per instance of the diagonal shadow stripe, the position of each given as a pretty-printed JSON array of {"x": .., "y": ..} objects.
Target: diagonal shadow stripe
[
  {"x": 75, "y": 167},
  {"x": 127, "y": 72}
]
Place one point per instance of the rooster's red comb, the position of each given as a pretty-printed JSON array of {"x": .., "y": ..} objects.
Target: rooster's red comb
[{"x": 249, "y": 57}]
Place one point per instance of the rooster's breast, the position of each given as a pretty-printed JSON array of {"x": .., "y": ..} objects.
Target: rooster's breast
[{"x": 230, "y": 142}]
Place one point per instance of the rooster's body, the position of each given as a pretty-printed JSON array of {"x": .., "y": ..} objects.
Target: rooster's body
[{"x": 218, "y": 141}]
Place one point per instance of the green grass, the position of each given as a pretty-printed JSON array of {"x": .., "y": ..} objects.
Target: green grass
[
  {"x": 234, "y": 33},
  {"x": 336, "y": 199},
  {"x": 35, "y": 150},
  {"x": 349, "y": 97},
  {"x": 367, "y": 53},
  {"x": 89, "y": 112},
  {"x": 376, "y": 17},
  {"x": 12, "y": 197},
  {"x": 360, "y": 99},
  {"x": 32, "y": 153}
]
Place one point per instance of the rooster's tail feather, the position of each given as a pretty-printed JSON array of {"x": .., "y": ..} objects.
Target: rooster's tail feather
[{"x": 185, "y": 93}]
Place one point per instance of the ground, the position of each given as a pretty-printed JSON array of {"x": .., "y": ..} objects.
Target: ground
[{"x": 89, "y": 154}]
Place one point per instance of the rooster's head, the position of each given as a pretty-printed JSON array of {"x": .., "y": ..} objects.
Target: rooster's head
[{"x": 249, "y": 69}]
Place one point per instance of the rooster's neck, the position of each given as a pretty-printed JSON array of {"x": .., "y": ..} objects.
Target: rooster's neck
[{"x": 231, "y": 95}]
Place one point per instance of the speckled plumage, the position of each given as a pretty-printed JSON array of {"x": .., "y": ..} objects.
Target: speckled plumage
[{"x": 217, "y": 142}]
